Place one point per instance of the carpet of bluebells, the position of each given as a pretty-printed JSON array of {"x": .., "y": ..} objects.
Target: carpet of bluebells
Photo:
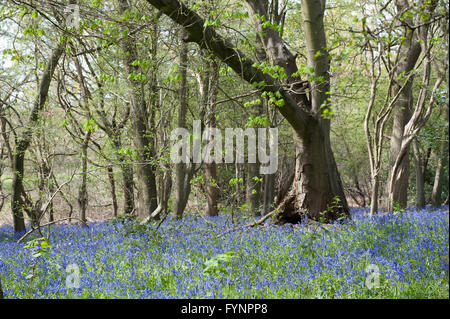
[{"x": 119, "y": 259}]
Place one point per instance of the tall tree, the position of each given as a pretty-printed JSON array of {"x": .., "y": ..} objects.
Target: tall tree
[
  {"x": 183, "y": 171},
  {"x": 317, "y": 182},
  {"x": 426, "y": 98},
  {"x": 24, "y": 139},
  {"x": 144, "y": 134},
  {"x": 408, "y": 56},
  {"x": 209, "y": 97}
]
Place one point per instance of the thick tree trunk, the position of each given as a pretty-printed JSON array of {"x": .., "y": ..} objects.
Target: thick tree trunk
[
  {"x": 24, "y": 140},
  {"x": 316, "y": 192}
]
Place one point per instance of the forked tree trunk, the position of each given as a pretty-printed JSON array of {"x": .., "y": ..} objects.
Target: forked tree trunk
[
  {"x": 416, "y": 42},
  {"x": 317, "y": 182},
  {"x": 408, "y": 56}
]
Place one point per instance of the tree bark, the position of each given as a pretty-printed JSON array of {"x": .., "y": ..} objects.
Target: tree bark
[
  {"x": 212, "y": 191},
  {"x": 269, "y": 193},
  {"x": 209, "y": 98},
  {"x": 112, "y": 183},
  {"x": 143, "y": 133},
  {"x": 408, "y": 56},
  {"x": 23, "y": 142},
  {"x": 420, "y": 184},
  {"x": 128, "y": 189},
  {"x": 441, "y": 163},
  {"x": 253, "y": 188},
  {"x": 421, "y": 112},
  {"x": 83, "y": 194},
  {"x": 374, "y": 196},
  {"x": 315, "y": 162},
  {"x": 183, "y": 171}
]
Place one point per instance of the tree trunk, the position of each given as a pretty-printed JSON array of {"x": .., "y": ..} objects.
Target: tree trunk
[
  {"x": 317, "y": 182},
  {"x": 212, "y": 191},
  {"x": 128, "y": 189},
  {"x": 408, "y": 56},
  {"x": 240, "y": 180},
  {"x": 24, "y": 140},
  {"x": 127, "y": 173},
  {"x": 83, "y": 194},
  {"x": 441, "y": 163},
  {"x": 416, "y": 42},
  {"x": 315, "y": 192},
  {"x": 166, "y": 189},
  {"x": 17, "y": 184},
  {"x": 209, "y": 98},
  {"x": 253, "y": 188},
  {"x": 143, "y": 137},
  {"x": 269, "y": 193},
  {"x": 183, "y": 171},
  {"x": 420, "y": 187},
  {"x": 112, "y": 183},
  {"x": 401, "y": 115},
  {"x": 374, "y": 195}
]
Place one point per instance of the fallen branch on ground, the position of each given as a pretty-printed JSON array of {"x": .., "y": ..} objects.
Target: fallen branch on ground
[
  {"x": 256, "y": 223},
  {"x": 48, "y": 224}
]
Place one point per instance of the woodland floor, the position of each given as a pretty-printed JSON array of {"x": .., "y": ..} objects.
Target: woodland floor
[{"x": 197, "y": 258}]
